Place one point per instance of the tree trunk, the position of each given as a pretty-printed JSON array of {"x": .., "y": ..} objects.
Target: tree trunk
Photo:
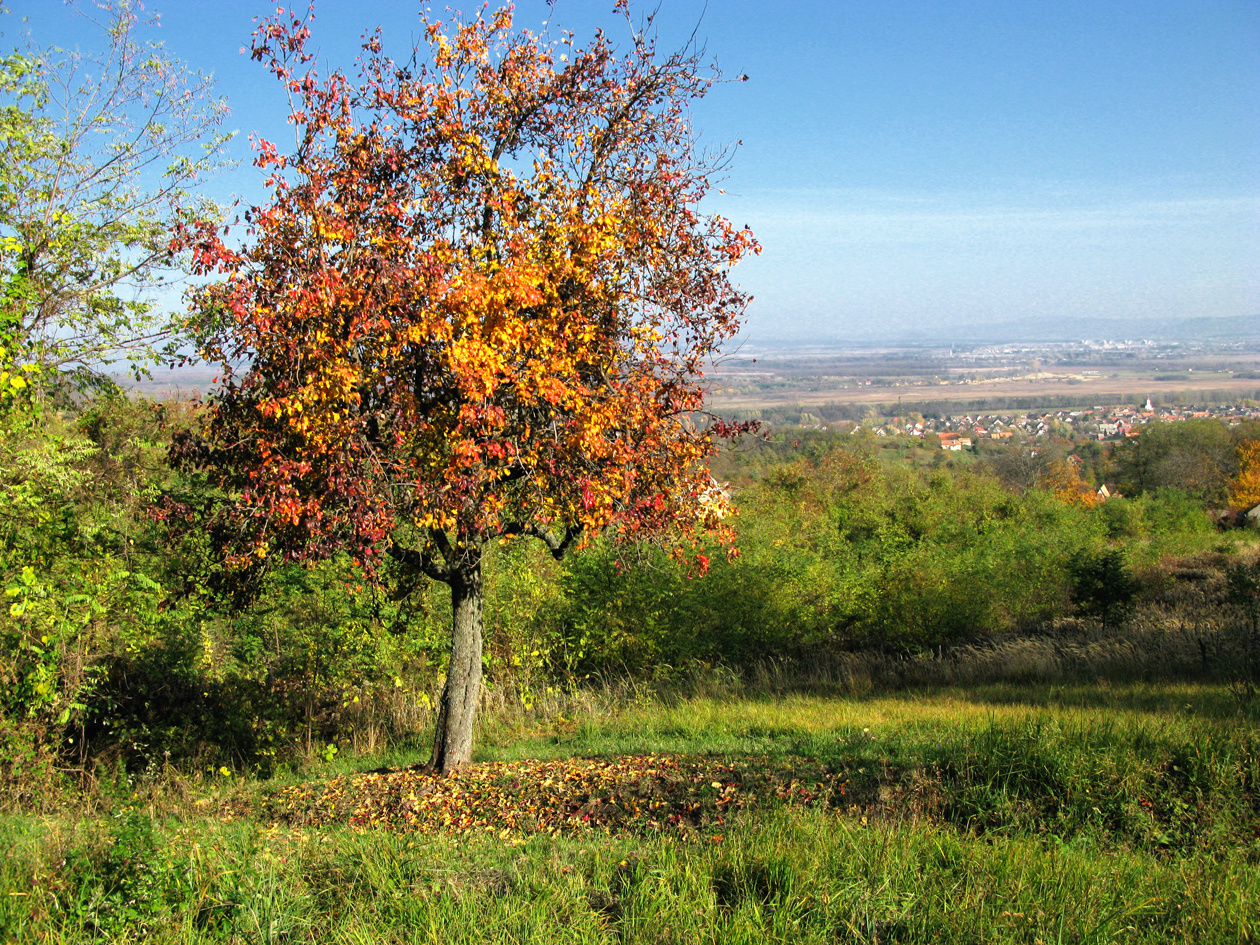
[{"x": 452, "y": 742}]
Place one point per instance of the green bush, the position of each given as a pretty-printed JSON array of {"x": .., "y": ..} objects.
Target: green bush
[{"x": 844, "y": 550}]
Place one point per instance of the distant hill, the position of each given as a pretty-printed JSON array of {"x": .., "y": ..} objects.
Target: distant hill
[
  {"x": 1210, "y": 330},
  {"x": 182, "y": 383},
  {"x": 1216, "y": 330}
]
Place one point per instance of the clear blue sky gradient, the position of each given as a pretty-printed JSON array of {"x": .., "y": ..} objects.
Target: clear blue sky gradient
[{"x": 908, "y": 166}]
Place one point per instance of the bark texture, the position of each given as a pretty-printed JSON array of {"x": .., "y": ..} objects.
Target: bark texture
[{"x": 457, "y": 711}]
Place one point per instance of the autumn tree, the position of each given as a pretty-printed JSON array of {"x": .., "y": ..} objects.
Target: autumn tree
[
  {"x": 477, "y": 306},
  {"x": 1244, "y": 491},
  {"x": 1065, "y": 483}
]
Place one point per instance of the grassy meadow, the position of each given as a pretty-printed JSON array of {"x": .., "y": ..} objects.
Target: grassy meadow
[
  {"x": 721, "y": 812},
  {"x": 926, "y": 702}
]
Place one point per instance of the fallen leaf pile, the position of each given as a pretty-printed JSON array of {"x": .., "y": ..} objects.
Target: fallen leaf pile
[{"x": 634, "y": 794}]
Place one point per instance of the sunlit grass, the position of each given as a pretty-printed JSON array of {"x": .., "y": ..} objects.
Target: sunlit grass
[
  {"x": 791, "y": 877},
  {"x": 997, "y": 814},
  {"x": 734, "y": 724}
]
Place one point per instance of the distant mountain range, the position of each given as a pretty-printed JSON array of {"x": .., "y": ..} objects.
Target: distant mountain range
[{"x": 1213, "y": 330}]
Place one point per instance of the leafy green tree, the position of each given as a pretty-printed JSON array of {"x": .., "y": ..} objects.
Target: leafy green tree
[
  {"x": 1194, "y": 456},
  {"x": 75, "y": 590},
  {"x": 1102, "y": 586},
  {"x": 99, "y": 158}
]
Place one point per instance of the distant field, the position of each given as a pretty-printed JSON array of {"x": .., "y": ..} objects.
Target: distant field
[
  {"x": 913, "y": 377},
  {"x": 181, "y": 383},
  {"x": 1107, "y": 389}
]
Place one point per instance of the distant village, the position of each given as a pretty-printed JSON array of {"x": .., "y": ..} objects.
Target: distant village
[{"x": 1097, "y": 423}]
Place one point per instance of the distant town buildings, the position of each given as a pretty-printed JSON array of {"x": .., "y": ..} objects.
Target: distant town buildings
[{"x": 1101, "y": 423}]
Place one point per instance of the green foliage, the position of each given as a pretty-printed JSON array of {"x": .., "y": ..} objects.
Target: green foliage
[
  {"x": 1154, "y": 525},
  {"x": 521, "y": 582},
  {"x": 120, "y": 638},
  {"x": 1102, "y": 585},
  {"x": 1196, "y": 457},
  {"x": 98, "y": 157},
  {"x": 1242, "y": 583},
  {"x": 77, "y": 595},
  {"x": 837, "y": 552},
  {"x": 99, "y": 154}
]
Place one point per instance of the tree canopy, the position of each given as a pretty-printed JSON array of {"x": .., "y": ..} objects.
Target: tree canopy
[
  {"x": 1196, "y": 456},
  {"x": 99, "y": 156},
  {"x": 478, "y": 305}
]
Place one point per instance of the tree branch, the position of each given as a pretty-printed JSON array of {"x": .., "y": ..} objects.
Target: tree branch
[{"x": 557, "y": 546}]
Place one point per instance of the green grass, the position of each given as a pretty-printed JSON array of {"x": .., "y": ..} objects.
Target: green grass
[{"x": 1000, "y": 814}]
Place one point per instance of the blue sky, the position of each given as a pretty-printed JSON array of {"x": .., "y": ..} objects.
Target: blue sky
[{"x": 911, "y": 168}]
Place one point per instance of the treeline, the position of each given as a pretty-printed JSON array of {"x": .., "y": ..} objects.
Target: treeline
[
  {"x": 125, "y": 645},
  {"x": 848, "y": 551},
  {"x": 1198, "y": 457}
]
